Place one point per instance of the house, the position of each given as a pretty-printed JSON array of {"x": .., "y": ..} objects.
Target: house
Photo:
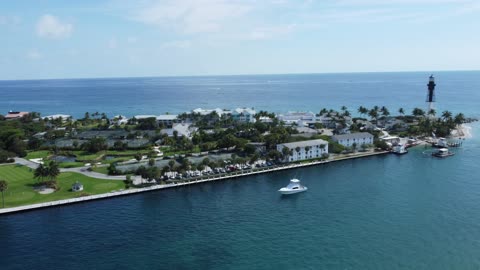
[
  {"x": 167, "y": 119},
  {"x": 119, "y": 120},
  {"x": 218, "y": 111},
  {"x": 182, "y": 129},
  {"x": 304, "y": 149},
  {"x": 15, "y": 115},
  {"x": 358, "y": 139},
  {"x": 298, "y": 118},
  {"x": 77, "y": 186},
  {"x": 64, "y": 117},
  {"x": 244, "y": 115}
]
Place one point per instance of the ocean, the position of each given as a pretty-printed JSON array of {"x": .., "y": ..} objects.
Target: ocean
[
  {"x": 456, "y": 91},
  {"x": 383, "y": 212}
]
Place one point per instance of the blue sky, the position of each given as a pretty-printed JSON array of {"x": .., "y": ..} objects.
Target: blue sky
[{"x": 127, "y": 38}]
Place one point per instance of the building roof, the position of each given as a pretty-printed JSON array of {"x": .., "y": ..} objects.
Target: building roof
[
  {"x": 167, "y": 117},
  {"x": 56, "y": 116},
  {"x": 358, "y": 135},
  {"x": 244, "y": 111},
  {"x": 304, "y": 143},
  {"x": 13, "y": 115},
  {"x": 143, "y": 116}
]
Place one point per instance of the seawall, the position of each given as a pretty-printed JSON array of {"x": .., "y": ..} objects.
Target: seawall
[{"x": 16, "y": 209}]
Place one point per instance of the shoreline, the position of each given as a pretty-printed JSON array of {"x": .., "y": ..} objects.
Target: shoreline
[{"x": 12, "y": 210}]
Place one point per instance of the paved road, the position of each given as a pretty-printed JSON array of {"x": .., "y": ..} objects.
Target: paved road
[{"x": 82, "y": 170}]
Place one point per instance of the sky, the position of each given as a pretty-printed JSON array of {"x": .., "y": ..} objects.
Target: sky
[{"x": 42, "y": 39}]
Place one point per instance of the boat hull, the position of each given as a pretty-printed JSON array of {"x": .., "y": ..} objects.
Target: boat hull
[{"x": 285, "y": 191}]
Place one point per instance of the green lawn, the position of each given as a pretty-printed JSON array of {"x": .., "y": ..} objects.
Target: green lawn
[
  {"x": 103, "y": 170},
  {"x": 20, "y": 186},
  {"x": 38, "y": 154}
]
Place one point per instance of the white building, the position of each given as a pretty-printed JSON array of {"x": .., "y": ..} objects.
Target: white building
[
  {"x": 298, "y": 118},
  {"x": 218, "y": 111},
  {"x": 245, "y": 115},
  {"x": 307, "y": 149},
  {"x": 167, "y": 119},
  {"x": 119, "y": 120},
  {"x": 64, "y": 117},
  {"x": 358, "y": 138},
  {"x": 182, "y": 129}
]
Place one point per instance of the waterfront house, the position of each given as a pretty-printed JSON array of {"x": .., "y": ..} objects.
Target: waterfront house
[
  {"x": 304, "y": 149},
  {"x": 63, "y": 117},
  {"x": 204, "y": 112},
  {"x": 167, "y": 119},
  {"x": 297, "y": 118},
  {"x": 244, "y": 115},
  {"x": 77, "y": 186},
  {"x": 358, "y": 139},
  {"x": 15, "y": 115}
]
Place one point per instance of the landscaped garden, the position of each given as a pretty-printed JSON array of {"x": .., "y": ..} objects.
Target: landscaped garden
[{"x": 21, "y": 186}]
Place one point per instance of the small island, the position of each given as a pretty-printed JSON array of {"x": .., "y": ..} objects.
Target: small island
[{"x": 50, "y": 158}]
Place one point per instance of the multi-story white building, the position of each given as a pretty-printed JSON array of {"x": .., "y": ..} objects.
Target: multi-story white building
[
  {"x": 245, "y": 115},
  {"x": 167, "y": 119},
  {"x": 298, "y": 118},
  {"x": 354, "y": 138},
  {"x": 304, "y": 149}
]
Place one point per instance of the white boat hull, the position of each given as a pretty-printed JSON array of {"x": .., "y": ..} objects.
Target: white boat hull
[{"x": 287, "y": 191}]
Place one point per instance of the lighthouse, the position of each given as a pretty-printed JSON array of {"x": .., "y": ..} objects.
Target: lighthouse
[{"x": 431, "y": 93}]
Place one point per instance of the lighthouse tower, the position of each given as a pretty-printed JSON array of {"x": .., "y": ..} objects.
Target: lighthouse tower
[{"x": 431, "y": 93}]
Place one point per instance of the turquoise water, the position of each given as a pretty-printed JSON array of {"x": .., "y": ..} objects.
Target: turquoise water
[{"x": 384, "y": 212}]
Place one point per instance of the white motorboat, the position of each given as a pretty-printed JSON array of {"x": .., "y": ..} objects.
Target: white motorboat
[{"x": 293, "y": 187}]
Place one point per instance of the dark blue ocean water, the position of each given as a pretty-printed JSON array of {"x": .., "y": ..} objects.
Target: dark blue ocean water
[
  {"x": 385, "y": 212},
  {"x": 456, "y": 91}
]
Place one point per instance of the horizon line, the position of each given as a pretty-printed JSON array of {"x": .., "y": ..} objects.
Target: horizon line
[{"x": 232, "y": 75}]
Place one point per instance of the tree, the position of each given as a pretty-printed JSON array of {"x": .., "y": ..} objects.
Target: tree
[
  {"x": 95, "y": 145},
  {"x": 373, "y": 114},
  {"x": 446, "y": 115},
  {"x": 354, "y": 147},
  {"x": 171, "y": 164},
  {"x": 401, "y": 111},
  {"x": 432, "y": 112},
  {"x": 418, "y": 112},
  {"x": 459, "y": 119},
  {"x": 112, "y": 169},
  {"x": 362, "y": 110},
  {"x": 53, "y": 170},
  {"x": 138, "y": 157},
  {"x": 3, "y": 188},
  {"x": 40, "y": 172},
  {"x": 151, "y": 162}
]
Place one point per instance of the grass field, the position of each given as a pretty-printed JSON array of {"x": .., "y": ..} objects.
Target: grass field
[
  {"x": 38, "y": 154},
  {"x": 20, "y": 186}
]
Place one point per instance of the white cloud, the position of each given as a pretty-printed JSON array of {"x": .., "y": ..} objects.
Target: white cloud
[
  {"x": 181, "y": 44},
  {"x": 112, "y": 43},
  {"x": 132, "y": 40},
  {"x": 192, "y": 16},
  {"x": 9, "y": 20},
  {"x": 264, "y": 33},
  {"x": 50, "y": 26},
  {"x": 34, "y": 54}
]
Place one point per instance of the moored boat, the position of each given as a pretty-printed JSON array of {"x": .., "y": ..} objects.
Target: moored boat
[
  {"x": 442, "y": 152},
  {"x": 293, "y": 187},
  {"x": 400, "y": 149}
]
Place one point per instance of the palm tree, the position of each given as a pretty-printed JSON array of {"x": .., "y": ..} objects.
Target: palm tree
[
  {"x": 40, "y": 172},
  {"x": 362, "y": 110},
  {"x": 418, "y": 112},
  {"x": 459, "y": 119},
  {"x": 53, "y": 170},
  {"x": 432, "y": 112},
  {"x": 3, "y": 188},
  {"x": 446, "y": 115},
  {"x": 401, "y": 111},
  {"x": 373, "y": 114},
  {"x": 385, "y": 111}
]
